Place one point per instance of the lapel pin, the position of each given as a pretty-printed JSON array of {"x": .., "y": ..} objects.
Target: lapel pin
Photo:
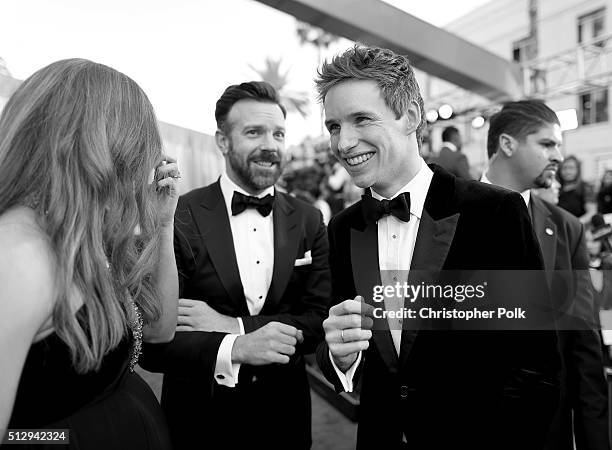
[{"x": 549, "y": 231}]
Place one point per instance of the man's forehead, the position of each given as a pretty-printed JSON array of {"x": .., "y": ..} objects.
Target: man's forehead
[
  {"x": 352, "y": 96},
  {"x": 550, "y": 131},
  {"x": 249, "y": 110}
]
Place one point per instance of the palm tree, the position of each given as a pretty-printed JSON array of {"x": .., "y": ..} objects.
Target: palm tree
[
  {"x": 294, "y": 101},
  {"x": 318, "y": 37}
]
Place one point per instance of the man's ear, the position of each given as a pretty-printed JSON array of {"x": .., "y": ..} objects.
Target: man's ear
[
  {"x": 507, "y": 144},
  {"x": 412, "y": 117},
  {"x": 222, "y": 141}
]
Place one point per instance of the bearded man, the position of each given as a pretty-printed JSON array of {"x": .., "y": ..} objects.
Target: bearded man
[{"x": 254, "y": 289}]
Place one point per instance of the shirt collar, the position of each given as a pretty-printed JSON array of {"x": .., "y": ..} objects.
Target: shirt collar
[
  {"x": 525, "y": 194},
  {"x": 228, "y": 187},
  {"x": 450, "y": 146},
  {"x": 417, "y": 187}
]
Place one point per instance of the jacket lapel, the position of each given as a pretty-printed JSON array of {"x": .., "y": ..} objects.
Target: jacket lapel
[
  {"x": 286, "y": 241},
  {"x": 216, "y": 231},
  {"x": 366, "y": 273},
  {"x": 546, "y": 232},
  {"x": 433, "y": 242}
]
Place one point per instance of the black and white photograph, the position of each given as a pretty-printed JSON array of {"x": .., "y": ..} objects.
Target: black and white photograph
[{"x": 306, "y": 224}]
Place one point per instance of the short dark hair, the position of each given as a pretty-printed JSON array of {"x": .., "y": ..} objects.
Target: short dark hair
[
  {"x": 518, "y": 119},
  {"x": 260, "y": 91},
  {"x": 448, "y": 133},
  {"x": 392, "y": 73}
]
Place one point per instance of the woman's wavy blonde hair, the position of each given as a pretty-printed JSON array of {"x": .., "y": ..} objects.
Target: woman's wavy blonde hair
[{"x": 78, "y": 141}]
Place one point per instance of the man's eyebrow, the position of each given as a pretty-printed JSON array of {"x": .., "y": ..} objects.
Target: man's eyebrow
[
  {"x": 254, "y": 126},
  {"x": 549, "y": 141},
  {"x": 329, "y": 122},
  {"x": 352, "y": 116},
  {"x": 360, "y": 113}
]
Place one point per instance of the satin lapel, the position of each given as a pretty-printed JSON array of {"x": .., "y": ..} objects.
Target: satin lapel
[
  {"x": 286, "y": 241},
  {"x": 212, "y": 218},
  {"x": 546, "y": 232},
  {"x": 433, "y": 241},
  {"x": 366, "y": 273}
]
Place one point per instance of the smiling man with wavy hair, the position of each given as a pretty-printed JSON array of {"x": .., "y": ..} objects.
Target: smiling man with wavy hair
[{"x": 483, "y": 386}]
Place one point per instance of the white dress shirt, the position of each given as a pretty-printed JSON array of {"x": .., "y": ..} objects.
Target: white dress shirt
[
  {"x": 253, "y": 236},
  {"x": 449, "y": 145},
  {"x": 396, "y": 240}
]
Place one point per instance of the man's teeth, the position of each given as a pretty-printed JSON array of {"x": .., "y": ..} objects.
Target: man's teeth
[
  {"x": 264, "y": 163},
  {"x": 359, "y": 159}
]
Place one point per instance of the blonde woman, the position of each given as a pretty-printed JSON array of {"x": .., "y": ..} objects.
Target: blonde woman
[{"x": 87, "y": 266}]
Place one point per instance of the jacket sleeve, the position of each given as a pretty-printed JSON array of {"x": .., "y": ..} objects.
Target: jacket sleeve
[
  {"x": 587, "y": 387},
  {"x": 323, "y": 358}
]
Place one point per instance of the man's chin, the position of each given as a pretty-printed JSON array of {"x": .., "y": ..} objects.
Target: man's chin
[
  {"x": 264, "y": 182},
  {"x": 361, "y": 182},
  {"x": 544, "y": 181}
]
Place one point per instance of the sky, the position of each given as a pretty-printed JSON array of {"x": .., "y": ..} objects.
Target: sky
[{"x": 183, "y": 53}]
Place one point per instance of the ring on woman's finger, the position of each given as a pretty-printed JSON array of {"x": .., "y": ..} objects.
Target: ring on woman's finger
[{"x": 342, "y": 335}]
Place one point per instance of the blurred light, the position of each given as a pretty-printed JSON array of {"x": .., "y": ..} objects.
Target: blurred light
[
  {"x": 478, "y": 122},
  {"x": 431, "y": 115},
  {"x": 568, "y": 119},
  {"x": 445, "y": 111}
]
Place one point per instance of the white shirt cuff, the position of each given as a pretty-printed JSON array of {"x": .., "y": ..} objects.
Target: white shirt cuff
[
  {"x": 241, "y": 325},
  {"x": 226, "y": 373},
  {"x": 346, "y": 378}
]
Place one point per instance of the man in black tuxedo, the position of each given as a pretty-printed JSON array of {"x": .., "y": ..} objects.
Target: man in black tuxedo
[
  {"x": 523, "y": 146},
  {"x": 450, "y": 156},
  {"x": 425, "y": 385},
  {"x": 254, "y": 286}
]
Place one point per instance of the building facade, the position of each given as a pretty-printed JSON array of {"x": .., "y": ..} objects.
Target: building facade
[{"x": 564, "y": 50}]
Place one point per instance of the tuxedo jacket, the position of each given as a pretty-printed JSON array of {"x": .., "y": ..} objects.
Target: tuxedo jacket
[
  {"x": 584, "y": 388},
  {"x": 454, "y": 162},
  {"x": 450, "y": 388},
  {"x": 270, "y": 405}
]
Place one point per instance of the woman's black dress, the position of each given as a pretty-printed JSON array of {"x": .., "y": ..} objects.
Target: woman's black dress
[{"x": 112, "y": 408}]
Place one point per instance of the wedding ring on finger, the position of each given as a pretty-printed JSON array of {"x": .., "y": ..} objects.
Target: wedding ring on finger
[{"x": 342, "y": 335}]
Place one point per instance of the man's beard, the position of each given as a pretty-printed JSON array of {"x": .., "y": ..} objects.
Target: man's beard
[
  {"x": 251, "y": 177},
  {"x": 544, "y": 180}
]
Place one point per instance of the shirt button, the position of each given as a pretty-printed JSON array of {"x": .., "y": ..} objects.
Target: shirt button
[
  {"x": 220, "y": 376},
  {"x": 394, "y": 236},
  {"x": 254, "y": 229},
  {"x": 404, "y": 391},
  {"x": 260, "y": 297},
  {"x": 257, "y": 262}
]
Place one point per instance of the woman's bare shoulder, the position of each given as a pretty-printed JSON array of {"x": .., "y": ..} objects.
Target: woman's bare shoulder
[{"x": 26, "y": 264}]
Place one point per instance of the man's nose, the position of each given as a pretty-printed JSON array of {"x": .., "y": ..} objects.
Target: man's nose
[
  {"x": 346, "y": 140},
  {"x": 555, "y": 154},
  {"x": 269, "y": 142}
]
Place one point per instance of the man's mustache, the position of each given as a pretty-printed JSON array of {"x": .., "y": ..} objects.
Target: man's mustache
[
  {"x": 554, "y": 166},
  {"x": 271, "y": 157}
]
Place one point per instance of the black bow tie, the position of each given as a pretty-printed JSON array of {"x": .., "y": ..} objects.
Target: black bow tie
[
  {"x": 240, "y": 202},
  {"x": 374, "y": 209}
]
